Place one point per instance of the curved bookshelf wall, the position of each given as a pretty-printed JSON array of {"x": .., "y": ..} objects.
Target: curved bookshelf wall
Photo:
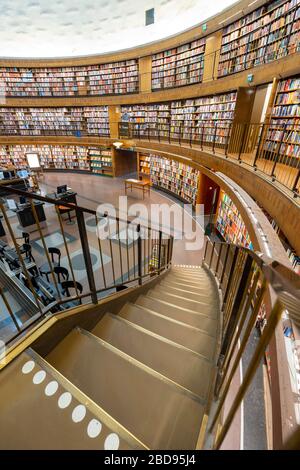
[
  {"x": 264, "y": 35},
  {"x": 91, "y": 80}
]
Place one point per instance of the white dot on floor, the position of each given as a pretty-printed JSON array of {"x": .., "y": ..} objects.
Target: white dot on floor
[
  {"x": 64, "y": 400},
  {"x": 94, "y": 428},
  {"x": 79, "y": 413},
  {"x": 112, "y": 442},
  {"x": 39, "y": 377},
  {"x": 51, "y": 388},
  {"x": 28, "y": 367}
]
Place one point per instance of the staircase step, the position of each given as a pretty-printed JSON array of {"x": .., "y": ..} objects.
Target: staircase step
[
  {"x": 32, "y": 415},
  {"x": 202, "y": 321},
  {"x": 170, "y": 328},
  {"x": 206, "y": 307},
  {"x": 166, "y": 357},
  {"x": 189, "y": 275},
  {"x": 160, "y": 413},
  {"x": 205, "y": 281},
  {"x": 205, "y": 288},
  {"x": 205, "y": 297}
]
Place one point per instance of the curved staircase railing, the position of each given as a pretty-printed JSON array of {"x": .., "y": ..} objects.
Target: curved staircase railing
[
  {"x": 255, "y": 292},
  {"x": 102, "y": 255}
]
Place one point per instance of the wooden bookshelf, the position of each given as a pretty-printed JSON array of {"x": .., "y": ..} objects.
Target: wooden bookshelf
[
  {"x": 102, "y": 79},
  {"x": 267, "y": 34},
  {"x": 143, "y": 166},
  {"x": 230, "y": 224},
  {"x": 93, "y": 159},
  {"x": 146, "y": 117},
  {"x": 196, "y": 118},
  {"x": 101, "y": 160},
  {"x": 174, "y": 177},
  {"x": 73, "y": 121},
  {"x": 283, "y": 135},
  {"x": 182, "y": 65},
  {"x": 205, "y": 118}
]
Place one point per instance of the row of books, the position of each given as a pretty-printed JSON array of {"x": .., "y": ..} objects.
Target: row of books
[
  {"x": 100, "y": 160},
  {"x": 283, "y": 134},
  {"x": 197, "y": 116},
  {"x": 113, "y": 78},
  {"x": 268, "y": 33},
  {"x": 40, "y": 121},
  {"x": 56, "y": 156},
  {"x": 167, "y": 66},
  {"x": 173, "y": 176},
  {"x": 230, "y": 223}
]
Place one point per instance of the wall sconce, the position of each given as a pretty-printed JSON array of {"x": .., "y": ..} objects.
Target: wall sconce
[{"x": 118, "y": 144}]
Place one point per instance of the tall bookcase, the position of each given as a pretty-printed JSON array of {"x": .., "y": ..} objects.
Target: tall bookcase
[
  {"x": 93, "y": 159},
  {"x": 73, "y": 121},
  {"x": 283, "y": 135},
  {"x": 230, "y": 224},
  {"x": 180, "y": 66},
  {"x": 171, "y": 176},
  {"x": 143, "y": 166},
  {"x": 102, "y": 79},
  {"x": 101, "y": 160},
  {"x": 207, "y": 118},
  {"x": 268, "y": 33},
  {"x": 146, "y": 118}
]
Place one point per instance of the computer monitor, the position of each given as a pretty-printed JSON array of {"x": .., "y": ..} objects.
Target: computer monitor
[
  {"x": 1, "y": 175},
  {"x": 11, "y": 204},
  {"x": 22, "y": 174},
  {"x": 23, "y": 200},
  {"x": 61, "y": 189}
]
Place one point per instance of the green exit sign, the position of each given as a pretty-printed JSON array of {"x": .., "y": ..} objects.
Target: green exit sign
[
  {"x": 204, "y": 27},
  {"x": 250, "y": 77}
]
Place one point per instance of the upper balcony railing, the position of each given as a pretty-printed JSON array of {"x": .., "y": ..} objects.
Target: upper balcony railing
[{"x": 271, "y": 149}]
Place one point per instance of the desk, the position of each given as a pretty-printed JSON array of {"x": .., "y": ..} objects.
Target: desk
[
  {"x": 138, "y": 184},
  {"x": 26, "y": 216},
  {"x": 69, "y": 196},
  {"x": 17, "y": 183}
]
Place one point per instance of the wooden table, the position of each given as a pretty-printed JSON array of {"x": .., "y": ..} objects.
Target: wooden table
[{"x": 138, "y": 184}]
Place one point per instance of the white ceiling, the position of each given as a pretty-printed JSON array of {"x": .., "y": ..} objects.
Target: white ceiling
[{"x": 57, "y": 28}]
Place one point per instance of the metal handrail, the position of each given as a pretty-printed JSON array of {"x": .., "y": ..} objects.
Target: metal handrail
[
  {"x": 245, "y": 289},
  {"x": 124, "y": 274},
  {"x": 252, "y": 144}
]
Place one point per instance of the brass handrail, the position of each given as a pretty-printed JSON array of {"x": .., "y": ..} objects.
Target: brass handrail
[{"x": 245, "y": 294}]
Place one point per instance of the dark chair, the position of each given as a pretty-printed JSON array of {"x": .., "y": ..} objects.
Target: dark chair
[
  {"x": 67, "y": 210},
  {"x": 26, "y": 241},
  {"x": 62, "y": 273},
  {"x": 67, "y": 285},
  {"x": 27, "y": 251},
  {"x": 55, "y": 255}
]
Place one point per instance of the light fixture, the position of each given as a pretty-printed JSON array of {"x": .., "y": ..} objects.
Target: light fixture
[{"x": 118, "y": 144}]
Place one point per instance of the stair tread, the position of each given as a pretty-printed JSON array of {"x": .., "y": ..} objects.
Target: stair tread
[
  {"x": 138, "y": 399},
  {"x": 184, "y": 301},
  {"x": 196, "y": 308},
  {"x": 177, "y": 331},
  {"x": 199, "y": 320},
  {"x": 30, "y": 419},
  {"x": 200, "y": 289},
  {"x": 170, "y": 359},
  {"x": 182, "y": 292}
]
